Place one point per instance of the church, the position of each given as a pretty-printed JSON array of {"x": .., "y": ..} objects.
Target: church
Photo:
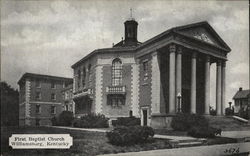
[{"x": 153, "y": 80}]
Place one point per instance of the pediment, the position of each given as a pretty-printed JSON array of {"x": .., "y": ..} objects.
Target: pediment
[{"x": 203, "y": 32}]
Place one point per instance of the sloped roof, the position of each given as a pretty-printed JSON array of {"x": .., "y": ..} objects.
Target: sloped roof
[
  {"x": 176, "y": 30},
  {"x": 34, "y": 75},
  {"x": 105, "y": 50},
  {"x": 242, "y": 94}
]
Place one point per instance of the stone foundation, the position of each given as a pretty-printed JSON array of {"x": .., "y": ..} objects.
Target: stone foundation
[{"x": 161, "y": 121}]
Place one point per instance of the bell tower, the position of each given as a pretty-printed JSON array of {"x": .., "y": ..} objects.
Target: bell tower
[{"x": 131, "y": 29}]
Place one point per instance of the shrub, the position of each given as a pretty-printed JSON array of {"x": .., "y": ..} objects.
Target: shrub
[
  {"x": 243, "y": 113},
  {"x": 229, "y": 111},
  {"x": 53, "y": 121},
  {"x": 91, "y": 121},
  {"x": 64, "y": 119},
  {"x": 203, "y": 132},
  {"x": 129, "y": 135},
  {"x": 184, "y": 122},
  {"x": 126, "y": 121}
]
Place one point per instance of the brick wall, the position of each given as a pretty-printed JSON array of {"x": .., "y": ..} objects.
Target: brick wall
[
  {"x": 27, "y": 108},
  {"x": 145, "y": 85},
  {"x": 46, "y": 90},
  {"x": 123, "y": 110}
]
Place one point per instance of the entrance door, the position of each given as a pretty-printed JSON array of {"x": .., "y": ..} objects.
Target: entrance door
[{"x": 145, "y": 117}]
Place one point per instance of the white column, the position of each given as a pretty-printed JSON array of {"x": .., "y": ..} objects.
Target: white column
[
  {"x": 193, "y": 83},
  {"x": 207, "y": 85},
  {"x": 223, "y": 87},
  {"x": 135, "y": 88},
  {"x": 172, "y": 50},
  {"x": 155, "y": 92},
  {"x": 178, "y": 76},
  {"x": 98, "y": 92},
  {"x": 218, "y": 88}
]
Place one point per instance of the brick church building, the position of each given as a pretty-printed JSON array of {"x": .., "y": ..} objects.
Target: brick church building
[{"x": 155, "y": 79}]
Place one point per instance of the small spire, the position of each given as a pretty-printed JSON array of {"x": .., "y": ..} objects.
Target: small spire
[{"x": 131, "y": 14}]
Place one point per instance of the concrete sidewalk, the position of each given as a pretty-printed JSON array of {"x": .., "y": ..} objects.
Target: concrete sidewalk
[{"x": 214, "y": 150}]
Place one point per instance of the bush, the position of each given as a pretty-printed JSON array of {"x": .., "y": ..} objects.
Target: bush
[
  {"x": 244, "y": 113},
  {"x": 229, "y": 111},
  {"x": 53, "y": 121},
  {"x": 183, "y": 122},
  {"x": 126, "y": 121},
  {"x": 212, "y": 112},
  {"x": 129, "y": 135},
  {"x": 91, "y": 121},
  {"x": 203, "y": 132},
  {"x": 64, "y": 119}
]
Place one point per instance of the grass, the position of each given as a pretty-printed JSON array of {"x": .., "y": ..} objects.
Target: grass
[
  {"x": 227, "y": 123},
  {"x": 84, "y": 143},
  {"x": 91, "y": 143}
]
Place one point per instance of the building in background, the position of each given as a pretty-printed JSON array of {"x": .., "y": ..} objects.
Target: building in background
[
  {"x": 40, "y": 98},
  {"x": 241, "y": 100},
  {"x": 153, "y": 80},
  {"x": 68, "y": 102}
]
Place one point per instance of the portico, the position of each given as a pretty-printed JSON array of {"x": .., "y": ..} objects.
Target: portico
[
  {"x": 183, "y": 57},
  {"x": 191, "y": 77}
]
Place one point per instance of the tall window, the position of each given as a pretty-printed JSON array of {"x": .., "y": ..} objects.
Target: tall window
[
  {"x": 116, "y": 72},
  {"x": 53, "y": 109},
  {"x": 53, "y": 96},
  {"x": 89, "y": 70},
  {"x": 83, "y": 77},
  {"x": 145, "y": 69},
  {"x": 53, "y": 85},
  {"x": 79, "y": 78},
  {"x": 38, "y": 95},
  {"x": 38, "y": 109}
]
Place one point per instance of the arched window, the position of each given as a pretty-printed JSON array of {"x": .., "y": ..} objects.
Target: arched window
[
  {"x": 83, "y": 77},
  {"x": 116, "y": 72}
]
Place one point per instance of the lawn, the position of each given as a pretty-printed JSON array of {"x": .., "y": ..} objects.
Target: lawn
[
  {"x": 90, "y": 143},
  {"x": 84, "y": 143},
  {"x": 227, "y": 123}
]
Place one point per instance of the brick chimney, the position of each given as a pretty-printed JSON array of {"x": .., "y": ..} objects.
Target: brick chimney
[{"x": 240, "y": 89}]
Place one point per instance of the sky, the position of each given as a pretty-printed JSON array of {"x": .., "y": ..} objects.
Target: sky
[{"x": 47, "y": 37}]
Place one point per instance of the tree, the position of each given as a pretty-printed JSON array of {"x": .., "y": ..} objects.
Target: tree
[{"x": 9, "y": 105}]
